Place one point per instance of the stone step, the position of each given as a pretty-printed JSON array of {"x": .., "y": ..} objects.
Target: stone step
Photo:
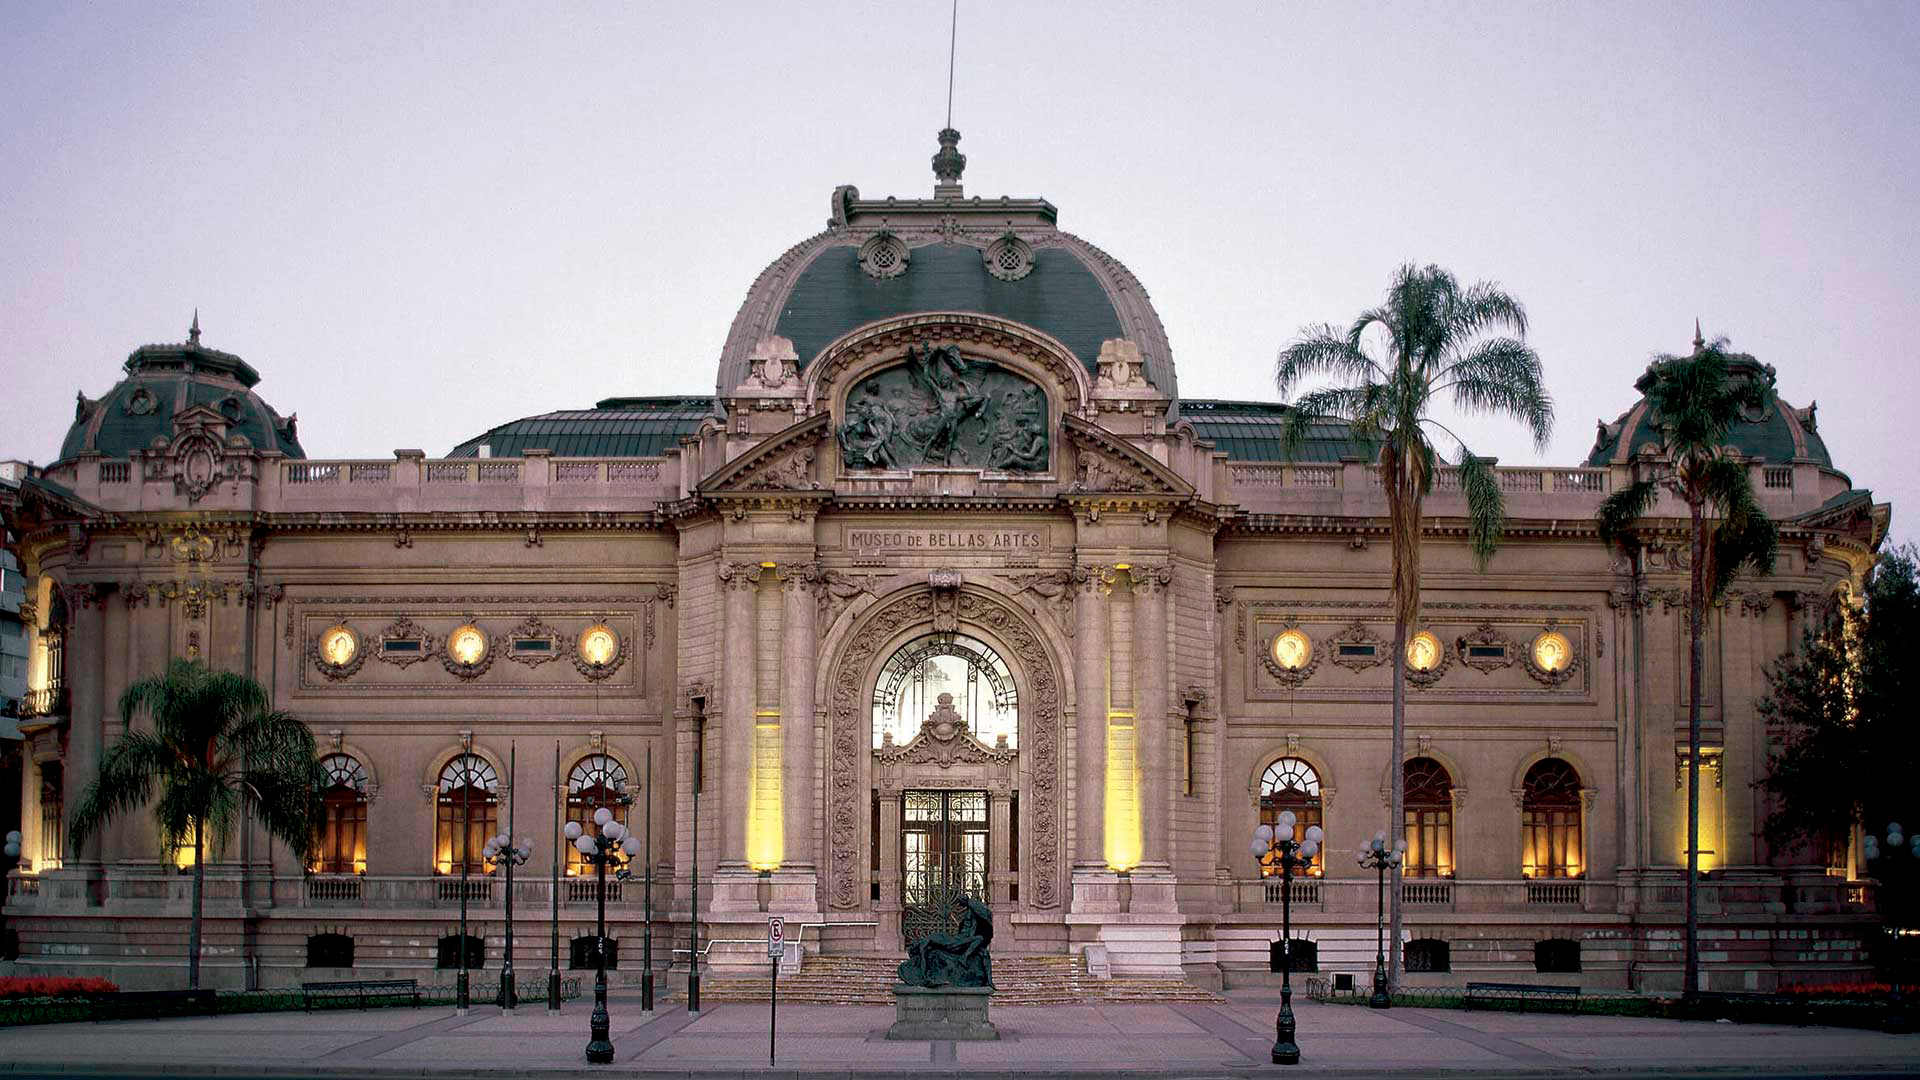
[{"x": 1019, "y": 980}]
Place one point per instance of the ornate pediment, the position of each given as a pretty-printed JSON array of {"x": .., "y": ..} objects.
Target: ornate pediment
[
  {"x": 944, "y": 741},
  {"x": 785, "y": 462},
  {"x": 1102, "y": 463}
]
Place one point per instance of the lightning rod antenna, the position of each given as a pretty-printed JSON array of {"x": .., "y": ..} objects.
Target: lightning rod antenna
[{"x": 953, "y": 38}]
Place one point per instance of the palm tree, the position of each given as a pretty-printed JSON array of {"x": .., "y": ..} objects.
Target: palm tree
[
  {"x": 1692, "y": 404},
  {"x": 1441, "y": 342},
  {"x": 214, "y": 745}
]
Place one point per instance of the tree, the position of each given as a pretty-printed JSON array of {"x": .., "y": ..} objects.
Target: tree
[
  {"x": 1441, "y": 342},
  {"x": 1692, "y": 404},
  {"x": 214, "y": 745},
  {"x": 1845, "y": 701}
]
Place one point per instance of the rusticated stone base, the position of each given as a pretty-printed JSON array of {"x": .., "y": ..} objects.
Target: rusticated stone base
[{"x": 945, "y": 1012}]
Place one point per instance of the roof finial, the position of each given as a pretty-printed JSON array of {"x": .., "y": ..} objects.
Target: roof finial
[
  {"x": 1698, "y": 341},
  {"x": 193, "y": 332},
  {"x": 949, "y": 162}
]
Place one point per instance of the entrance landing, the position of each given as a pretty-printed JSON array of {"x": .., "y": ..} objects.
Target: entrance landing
[{"x": 1017, "y": 980}]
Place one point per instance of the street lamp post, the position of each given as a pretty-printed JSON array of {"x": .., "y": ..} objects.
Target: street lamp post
[
  {"x": 1882, "y": 850},
  {"x": 600, "y": 848},
  {"x": 1377, "y": 856},
  {"x": 502, "y": 852},
  {"x": 1277, "y": 842},
  {"x": 462, "y": 1000}
]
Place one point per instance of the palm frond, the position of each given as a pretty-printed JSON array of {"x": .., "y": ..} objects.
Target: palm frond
[
  {"x": 1321, "y": 352},
  {"x": 1486, "y": 506},
  {"x": 128, "y": 771},
  {"x": 1502, "y": 376},
  {"x": 1331, "y": 404},
  {"x": 1621, "y": 509}
]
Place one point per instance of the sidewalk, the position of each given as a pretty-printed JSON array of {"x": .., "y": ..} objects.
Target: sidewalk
[{"x": 1040, "y": 1042}]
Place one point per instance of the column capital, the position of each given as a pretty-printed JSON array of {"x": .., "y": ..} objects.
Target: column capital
[
  {"x": 1150, "y": 580},
  {"x": 798, "y": 577},
  {"x": 740, "y": 575},
  {"x": 1093, "y": 579}
]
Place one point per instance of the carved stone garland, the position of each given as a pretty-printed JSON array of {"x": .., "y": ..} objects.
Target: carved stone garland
[
  {"x": 852, "y": 731},
  {"x": 1486, "y": 635},
  {"x": 1357, "y": 633}
]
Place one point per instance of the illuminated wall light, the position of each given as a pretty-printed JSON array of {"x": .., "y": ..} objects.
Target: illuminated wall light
[
  {"x": 768, "y": 565},
  {"x": 183, "y": 855},
  {"x": 1712, "y": 818},
  {"x": 1123, "y": 842},
  {"x": 766, "y": 839}
]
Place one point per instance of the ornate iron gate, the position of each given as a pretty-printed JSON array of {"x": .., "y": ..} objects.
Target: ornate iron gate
[{"x": 943, "y": 839}]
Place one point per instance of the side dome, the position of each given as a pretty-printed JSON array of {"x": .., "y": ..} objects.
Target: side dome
[
  {"x": 1779, "y": 433},
  {"x": 886, "y": 258},
  {"x": 165, "y": 380}
]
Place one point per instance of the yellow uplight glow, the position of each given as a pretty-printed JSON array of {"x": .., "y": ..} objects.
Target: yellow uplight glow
[
  {"x": 767, "y": 565},
  {"x": 183, "y": 855},
  {"x": 1423, "y": 651},
  {"x": 1123, "y": 795},
  {"x": 766, "y": 841}
]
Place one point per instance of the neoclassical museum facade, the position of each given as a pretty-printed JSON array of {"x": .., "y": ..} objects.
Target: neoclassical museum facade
[{"x": 945, "y": 585}]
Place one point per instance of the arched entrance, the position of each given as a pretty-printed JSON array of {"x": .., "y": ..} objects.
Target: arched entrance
[{"x": 892, "y": 774}]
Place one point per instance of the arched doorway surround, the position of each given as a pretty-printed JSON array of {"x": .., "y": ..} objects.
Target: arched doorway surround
[{"x": 873, "y": 638}]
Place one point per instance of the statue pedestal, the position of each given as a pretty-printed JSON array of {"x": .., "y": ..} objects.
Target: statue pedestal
[{"x": 942, "y": 1012}]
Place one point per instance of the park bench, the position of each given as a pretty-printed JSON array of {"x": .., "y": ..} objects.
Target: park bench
[
  {"x": 1522, "y": 993},
  {"x": 360, "y": 991},
  {"x": 153, "y": 1004}
]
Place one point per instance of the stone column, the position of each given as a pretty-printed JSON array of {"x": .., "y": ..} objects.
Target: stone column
[
  {"x": 85, "y": 670},
  {"x": 887, "y": 909},
  {"x": 740, "y": 584},
  {"x": 1150, "y": 708},
  {"x": 1093, "y": 583},
  {"x": 999, "y": 874},
  {"x": 801, "y": 810}
]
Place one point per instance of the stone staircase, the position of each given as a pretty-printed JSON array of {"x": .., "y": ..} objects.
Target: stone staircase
[{"x": 1018, "y": 980}]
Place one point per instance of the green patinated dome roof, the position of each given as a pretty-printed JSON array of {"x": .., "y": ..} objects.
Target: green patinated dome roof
[
  {"x": 165, "y": 380},
  {"x": 1780, "y": 433},
  {"x": 615, "y": 427},
  {"x": 1255, "y": 431}
]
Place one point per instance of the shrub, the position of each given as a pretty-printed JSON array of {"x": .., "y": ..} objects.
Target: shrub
[{"x": 52, "y": 986}]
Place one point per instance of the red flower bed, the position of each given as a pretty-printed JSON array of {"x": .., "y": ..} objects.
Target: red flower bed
[{"x": 52, "y": 986}]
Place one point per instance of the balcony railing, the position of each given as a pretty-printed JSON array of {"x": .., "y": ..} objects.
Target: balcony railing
[
  {"x": 1305, "y": 891},
  {"x": 1554, "y": 892},
  {"x": 1253, "y": 477},
  {"x": 1357, "y": 896},
  {"x": 51, "y": 701},
  {"x": 1426, "y": 892}
]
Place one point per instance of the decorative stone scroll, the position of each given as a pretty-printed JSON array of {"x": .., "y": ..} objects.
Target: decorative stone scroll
[{"x": 850, "y": 705}]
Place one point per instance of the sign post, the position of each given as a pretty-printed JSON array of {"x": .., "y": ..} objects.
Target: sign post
[{"x": 776, "y": 945}]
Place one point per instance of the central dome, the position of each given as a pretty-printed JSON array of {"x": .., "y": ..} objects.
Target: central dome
[{"x": 885, "y": 258}]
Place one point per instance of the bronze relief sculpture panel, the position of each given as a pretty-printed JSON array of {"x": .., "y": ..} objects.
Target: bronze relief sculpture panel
[{"x": 944, "y": 409}]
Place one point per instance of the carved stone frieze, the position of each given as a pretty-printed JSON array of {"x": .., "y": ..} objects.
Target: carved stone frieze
[{"x": 1055, "y": 589}]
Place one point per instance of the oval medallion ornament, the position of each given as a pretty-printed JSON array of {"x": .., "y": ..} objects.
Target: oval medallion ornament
[
  {"x": 1423, "y": 651},
  {"x": 468, "y": 652},
  {"x": 1292, "y": 650},
  {"x": 337, "y": 652},
  {"x": 1552, "y": 653},
  {"x": 599, "y": 651}
]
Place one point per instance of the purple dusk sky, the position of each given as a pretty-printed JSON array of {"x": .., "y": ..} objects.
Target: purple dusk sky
[{"x": 419, "y": 221}]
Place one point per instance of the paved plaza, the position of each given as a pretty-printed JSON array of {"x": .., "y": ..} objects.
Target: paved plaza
[{"x": 1175, "y": 1040}]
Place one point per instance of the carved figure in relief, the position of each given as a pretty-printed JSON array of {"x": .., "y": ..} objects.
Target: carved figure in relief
[{"x": 943, "y": 408}]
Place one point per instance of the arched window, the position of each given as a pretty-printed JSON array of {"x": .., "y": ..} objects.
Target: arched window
[
  {"x": 595, "y": 781},
  {"x": 975, "y": 678},
  {"x": 340, "y": 834},
  {"x": 467, "y": 810},
  {"x": 1550, "y": 821},
  {"x": 1290, "y": 784},
  {"x": 1429, "y": 810}
]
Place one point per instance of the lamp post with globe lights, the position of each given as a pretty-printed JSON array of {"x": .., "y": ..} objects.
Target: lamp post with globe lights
[
  {"x": 600, "y": 848},
  {"x": 1884, "y": 852},
  {"x": 1276, "y": 842},
  {"x": 1377, "y": 856},
  {"x": 502, "y": 852}
]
